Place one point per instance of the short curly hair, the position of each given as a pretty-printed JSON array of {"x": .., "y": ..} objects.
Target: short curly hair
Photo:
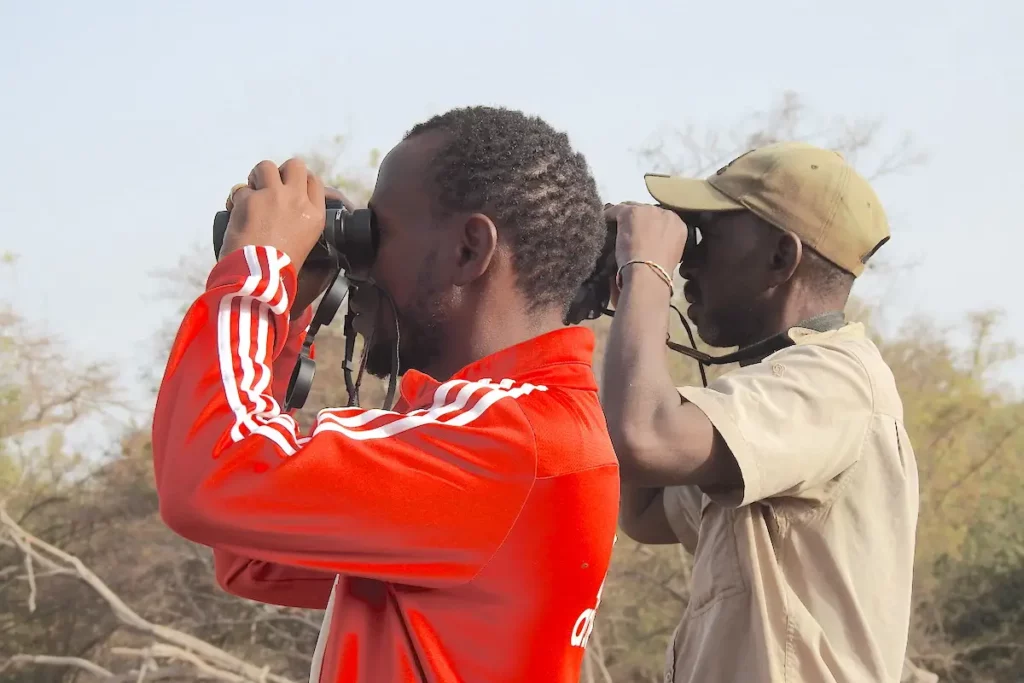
[{"x": 525, "y": 176}]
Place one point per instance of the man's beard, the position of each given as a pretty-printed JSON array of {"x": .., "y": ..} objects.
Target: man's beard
[{"x": 419, "y": 334}]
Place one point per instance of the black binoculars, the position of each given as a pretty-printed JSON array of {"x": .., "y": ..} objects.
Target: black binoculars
[
  {"x": 349, "y": 239},
  {"x": 594, "y": 295}
]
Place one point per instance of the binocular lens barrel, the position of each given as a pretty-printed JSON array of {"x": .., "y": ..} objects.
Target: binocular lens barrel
[{"x": 349, "y": 236}]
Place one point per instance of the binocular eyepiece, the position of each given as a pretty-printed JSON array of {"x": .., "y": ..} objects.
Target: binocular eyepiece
[{"x": 349, "y": 239}]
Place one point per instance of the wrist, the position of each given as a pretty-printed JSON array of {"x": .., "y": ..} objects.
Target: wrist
[
  {"x": 263, "y": 272},
  {"x": 281, "y": 248},
  {"x": 300, "y": 318},
  {"x": 649, "y": 273}
]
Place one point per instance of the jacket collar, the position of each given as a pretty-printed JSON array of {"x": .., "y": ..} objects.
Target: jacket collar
[{"x": 562, "y": 357}]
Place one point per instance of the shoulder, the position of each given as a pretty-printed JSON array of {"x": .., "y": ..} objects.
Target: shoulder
[
  {"x": 810, "y": 384},
  {"x": 848, "y": 346},
  {"x": 843, "y": 365},
  {"x": 561, "y": 426},
  {"x": 800, "y": 417},
  {"x": 570, "y": 431}
]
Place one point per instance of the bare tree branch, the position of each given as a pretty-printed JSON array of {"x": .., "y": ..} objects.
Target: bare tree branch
[
  {"x": 163, "y": 651},
  {"x": 697, "y": 151},
  {"x": 145, "y": 673},
  {"x": 76, "y": 662},
  {"x": 175, "y": 645},
  {"x": 45, "y": 390}
]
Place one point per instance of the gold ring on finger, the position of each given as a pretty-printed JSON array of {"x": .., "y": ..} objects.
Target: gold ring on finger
[{"x": 231, "y": 195}]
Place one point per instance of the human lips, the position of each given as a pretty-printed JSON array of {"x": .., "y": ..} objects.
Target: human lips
[{"x": 691, "y": 292}]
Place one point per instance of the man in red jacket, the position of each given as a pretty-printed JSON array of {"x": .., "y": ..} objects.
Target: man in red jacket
[{"x": 464, "y": 536}]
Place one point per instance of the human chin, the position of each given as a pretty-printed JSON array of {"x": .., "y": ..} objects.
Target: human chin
[
  {"x": 378, "y": 359},
  {"x": 709, "y": 335},
  {"x": 416, "y": 352},
  {"x": 709, "y": 331}
]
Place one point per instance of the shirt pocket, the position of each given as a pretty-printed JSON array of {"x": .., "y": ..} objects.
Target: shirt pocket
[{"x": 716, "y": 566}]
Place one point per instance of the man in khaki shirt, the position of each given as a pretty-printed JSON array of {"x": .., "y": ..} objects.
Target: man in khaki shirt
[{"x": 790, "y": 479}]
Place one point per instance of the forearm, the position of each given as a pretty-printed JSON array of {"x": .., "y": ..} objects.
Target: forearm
[
  {"x": 284, "y": 364},
  {"x": 642, "y": 514},
  {"x": 234, "y": 474},
  {"x": 271, "y": 582},
  {"x": 637, "y": 389},
  {"x": 216, "y": 392}
]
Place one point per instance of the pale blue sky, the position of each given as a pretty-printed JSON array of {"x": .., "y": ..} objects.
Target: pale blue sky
[{"x": 125, "y": 123}]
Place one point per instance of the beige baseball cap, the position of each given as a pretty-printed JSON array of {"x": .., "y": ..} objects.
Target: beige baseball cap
[{"x": 812, "y": 192}]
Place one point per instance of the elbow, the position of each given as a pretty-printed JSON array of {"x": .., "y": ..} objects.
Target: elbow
[
  {"x": 631, "y": 525},
  {"x": 184, "y": 505},
  {"x": 641, "y": 534},
  {"x": 634, "y": 470},
  {"x": 231, "y": 573},
  {"x": 626, "y": 436},
  {"x": 632, "y": 432},
  {"x": 185, "y": 520},
  {"x": 642, "y": 516},
  {"x": 636, "y": 448}
]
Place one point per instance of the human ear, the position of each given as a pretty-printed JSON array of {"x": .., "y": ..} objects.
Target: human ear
[
  {"x": 476, "y": 242},
  {"x": 785, "y": 257}
]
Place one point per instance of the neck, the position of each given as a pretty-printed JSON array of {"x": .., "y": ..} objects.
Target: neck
[
  {"x": 791, "y": 315},
  {"x": 489, "y": 334},
  {"x": 794, "y": 315}
]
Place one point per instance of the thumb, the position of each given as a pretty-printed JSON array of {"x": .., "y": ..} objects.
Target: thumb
[
  {"x": 613, "y": 287},
  {"x": 315, "y": 190},
  {"x": 338, "y": 195}
]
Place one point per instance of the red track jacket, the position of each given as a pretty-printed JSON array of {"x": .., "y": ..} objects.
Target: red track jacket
[{"x": 464, "y": 536}]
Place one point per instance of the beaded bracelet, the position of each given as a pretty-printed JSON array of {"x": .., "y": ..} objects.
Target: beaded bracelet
[{"x": 657, "y": 269}]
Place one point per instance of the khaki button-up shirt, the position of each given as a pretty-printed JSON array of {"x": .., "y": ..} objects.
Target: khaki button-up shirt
[{"x": 803, "y": 575}]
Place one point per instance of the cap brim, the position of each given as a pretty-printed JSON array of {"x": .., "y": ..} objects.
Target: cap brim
[{"x": 688, "y": 194}]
